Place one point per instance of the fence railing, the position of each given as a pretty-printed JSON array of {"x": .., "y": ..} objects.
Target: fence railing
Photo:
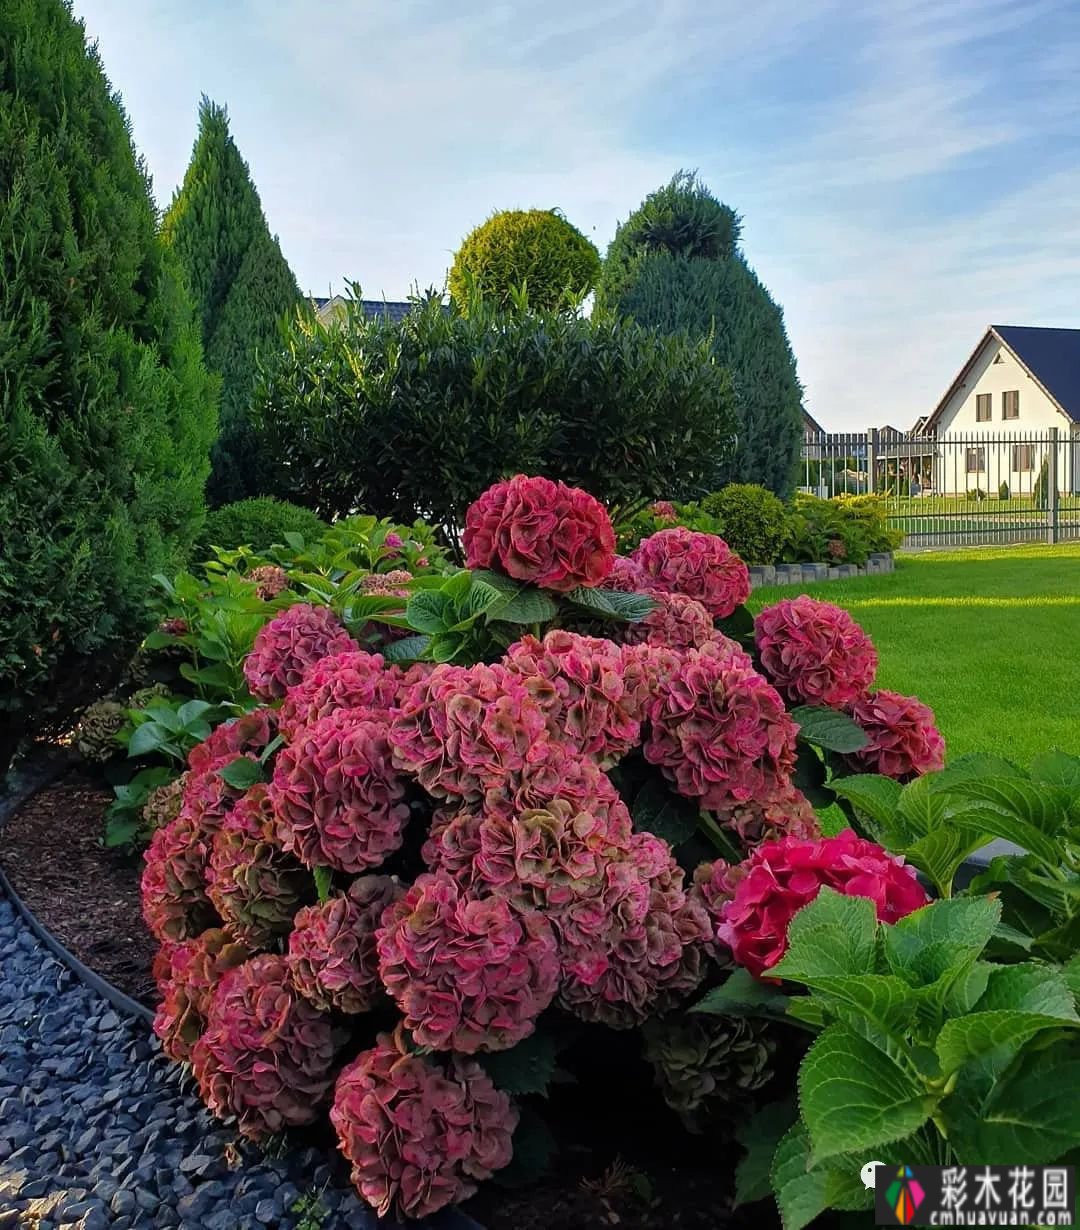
[{"x": 970, "y": 489}]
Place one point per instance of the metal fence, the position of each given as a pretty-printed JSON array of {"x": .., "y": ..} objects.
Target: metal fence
[{"x": 960, "y": 490}]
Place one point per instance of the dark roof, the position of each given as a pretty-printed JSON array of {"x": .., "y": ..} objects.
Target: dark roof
[
  {"x": 811, "y": 427},
  {"x": 392, "y": 309},
  {"x": 1052, "y": 357}
]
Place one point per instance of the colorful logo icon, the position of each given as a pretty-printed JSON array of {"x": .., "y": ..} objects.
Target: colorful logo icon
[{"x": 904, "y": 1195}]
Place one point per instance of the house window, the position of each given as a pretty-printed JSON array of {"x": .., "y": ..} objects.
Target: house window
[
  {"x": 1023, "y": 458},
  {"x": 984, "y": 403},
  {"x": 976, "y": 460},
  {"x": 1010, "y": 404}
]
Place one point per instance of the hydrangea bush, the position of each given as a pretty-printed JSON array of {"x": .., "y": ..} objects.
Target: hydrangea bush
[{"x": 567, "y": 793}]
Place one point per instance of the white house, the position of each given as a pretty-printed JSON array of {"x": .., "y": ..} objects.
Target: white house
[{"x": 996, "y": 423}]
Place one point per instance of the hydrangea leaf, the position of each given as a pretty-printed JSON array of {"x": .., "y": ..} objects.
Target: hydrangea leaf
[
  {"x": 1057, "y": 768},
  {"x": 408, "y": 649},
  {"x": 921, "y": 806},
  {"x": 1043, "y": 807},
  {"x": 242, "y": 773},
  {"x": 525, "y": 1068},
  {"x": 429, "y": 610},
  {"x": 760, "y": 1135},
  {"x": 324, "y": 878},
  {"x": 527, "y": 606},
  {"x": 833, "y": 935},
  {"x": 875, "y": 798},
  {"x": 663, "y": 813},
  {"x": 804, "y": 1190},
  {"x": 855, "y": 1097},
  {"x": 984, "y": 1033},
  {"x": 828, "y": 729},
  {"x": 1029, "y": 987},
  {"x": 630, "y": 608},
  {"x": 941, "y": 853},
  {"x": 1072, "y": 976},
  {"x": 744, "y": 995},
  {"x": 941, "y": 940}
]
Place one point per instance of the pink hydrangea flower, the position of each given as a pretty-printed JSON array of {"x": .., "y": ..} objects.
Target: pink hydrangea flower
[
  {"x": 255, "y": 886},
  {"x": 787, "y": 813},
  {"x": 266, "y": 1054},
  {"x": 251, "y": 732},
  {"x": 635, "y": 948},
  {"x": 174, "y": 901},
  {"x": 814, "y": 653},
  {"x": 627, "y": 576},
  {"x": 676, "y": 622},
  {"x": 663, "y": 510},
  {"x": 468, "y": 974},
  {"x": 287, "y": 645},
  {"x": 462, "y": 729},
  {"x": 337, "y": 799},
  {"x": 783, "y": 876},
  {"x": 270, "y": 580},
  {"x": 904, "y": 741},
  {"x": 599, "y": 692},
  {"x": 720, "y": 731},
  {"x": 419, "y": 1132},
  {"x": 207, "y": 798},
  {"x": 701, "y": 566},
  {"x": 332, "y": 956},
  {"x": 186, "y": 975},
  {"x": 537, "y": 530},
  {"x": 342, "y": 681}
]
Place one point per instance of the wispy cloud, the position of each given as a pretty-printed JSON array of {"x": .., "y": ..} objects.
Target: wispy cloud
[{"x": 906, "y": 171}]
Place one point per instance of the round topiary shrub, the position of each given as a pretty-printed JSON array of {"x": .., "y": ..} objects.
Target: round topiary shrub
[
  {"x": 259, "y": 523},
  {"x": 534, "y": 248},
  {"x": 753, "y": 521}
]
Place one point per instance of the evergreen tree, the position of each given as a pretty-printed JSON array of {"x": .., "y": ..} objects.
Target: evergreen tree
[
  {"x": 675, "y": 265},
  {"x": 241, "y": 284},
  {"x": 107, "y": 413}
]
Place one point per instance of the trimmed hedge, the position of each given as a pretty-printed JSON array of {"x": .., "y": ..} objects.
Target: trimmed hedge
[{"x": 260, "y": 523}]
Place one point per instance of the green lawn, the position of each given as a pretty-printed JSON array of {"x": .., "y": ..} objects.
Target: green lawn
[{"x": 989, "y": 638}]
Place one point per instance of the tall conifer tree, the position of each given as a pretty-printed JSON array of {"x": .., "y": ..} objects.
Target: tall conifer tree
[{"x": 241, "y": 284}]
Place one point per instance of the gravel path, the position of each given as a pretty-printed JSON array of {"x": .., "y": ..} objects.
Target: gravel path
[{"x": 98, "y": 1130}]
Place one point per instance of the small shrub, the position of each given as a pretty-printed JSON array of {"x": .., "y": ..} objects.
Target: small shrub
[
  {"x": 976, "y": 493},
  {"x": 1003, "y": 491},
  {"x": 532, "y": 249},
  {"x": 259, "y": 523},
  {"x": 1040, "y": 492},
  {"x": 751, "y": 520}
]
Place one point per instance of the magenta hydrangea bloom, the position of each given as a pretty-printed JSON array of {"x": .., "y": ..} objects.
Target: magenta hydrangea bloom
[
  {"x": 342, "y": 681},
  {"x": 250, "y": 732},
  {"x": 419, "y": 1132},
  {"x": 780, "y": 877},
  {"x": 461, "y": 729},
  {"x": 266, "y": 1054},
  {"x": 468, "y": 974},
  {"x": 814, "y": 653},
  {"x": 904, "y": 741},
  {"x": 186, "y": 975},
  {"x": 599, "y": 691},
  {"x": 701, "y": 566},
  {"x": 337, "y": 799},
  {"x": 720, "y": 732},
  {"x": 676, "y": 622},
  {"x": 255, "y": 886},
  {"x": 635, "y": 948},
  {"x": 332, "y": 955},
  {"x": 663, "y": 510},
  {"x": 541, "y": 531},
  {"x": 174, "y": 901},
  {"x": 627, "y": 576},
  {"x": 270, "y": 580},
  {"x": 287, "y": 645},
  {"x": 787, "y": 813}
]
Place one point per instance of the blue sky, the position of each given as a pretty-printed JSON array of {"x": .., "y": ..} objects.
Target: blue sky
[{"x": 908, "y": 172}]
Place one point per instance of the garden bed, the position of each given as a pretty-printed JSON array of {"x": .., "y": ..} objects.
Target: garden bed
[{"x": 85, "y": 895}]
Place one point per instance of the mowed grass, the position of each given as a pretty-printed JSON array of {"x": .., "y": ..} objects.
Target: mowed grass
[{"x": 988, "y": 638}]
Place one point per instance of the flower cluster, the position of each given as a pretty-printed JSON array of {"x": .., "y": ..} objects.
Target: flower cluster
[
  {"x": 468, "y": 973},
  {"x": 337, "y": 799},
  {"x": 419, "y": 1132},
  {"x": 599, "y": 692},
  {"x": 270, "y": 580},
  {"x": 814, "y": 653},
  {"x": 266, "y": 1054},
  {"x": 537, "y": 530},
  {"x": 174, "y": 901},
  {"x": 783, "y": 876},
  {"x": 163, "y": 804},
  {"x": 332, "y": 956},
  {"x": 903, "y": 739},
  {"x": 355, "y": 680},
  {"x": 787, "y": 813},
  {"x": 289, "y": 644},
  {"x": 701, "y": 566},
  {"x": 186, "y": 975},
  {"x": 675, "y": 622}
]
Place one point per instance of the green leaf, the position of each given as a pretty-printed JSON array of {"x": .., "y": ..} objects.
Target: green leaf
[
  {"x": 1040, "y": 806},
  {"x": 1030, "y": 1117},
  {"x": 428, "y": 611},
  {"x": 525, "y": 1068},
  {"x": 991, "y": 822},
  {"x": 1029, "y": 987},
  {"x": 324, "y": 878},
  {"x": 941, "y": 853},
  {"x": 446, "y": 646},
  {"x": 120, "y": 832},
  {"x": 1072, "y": 976},
  {"x": 828, "y": 729},
  {"x": 1057, "y": 768},
  {"x": 147, "y": 738},
  {"x": 810, "y": 775},
  {"x": 855, "y": 1097},
  {"x": 943, "y": 938},
  {"x": 527, "y": 606},
  {"x": 873, "y": 797},
  {"x": 408, "y": 649},
  {"x": 456, "y": 586},
  {"x": 883, "y": 1000},
  {"x": 506, "y": 586},
  {"x": 630, "y": 608},
  {"x": 832, "y": 935},
  {"x": 191, "y": 710},
  {"x": 800, "y": 1193},
  {"x": 159, "y": 640},
  {"x": 296, "y": 541},
  {"x": 760, "y": 1136},
  {"x": 165, "y": 714},
  {"x": 980, "y": 1034},
  {"x": 242, "y": 773},
  {"x": 739, "y": 625},
  {"x": 922, "y": 807},
  {"x": 744, "y": 995},
  {"x": 534, "y": 1148},
  {"x": 660, "y": 811}
]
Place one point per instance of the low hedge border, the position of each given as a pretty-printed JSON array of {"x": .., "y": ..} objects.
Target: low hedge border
[{"x": 877, "y": 564}]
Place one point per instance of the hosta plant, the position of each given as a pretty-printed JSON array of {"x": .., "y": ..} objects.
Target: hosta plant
[{"x": 485, "y": 821}]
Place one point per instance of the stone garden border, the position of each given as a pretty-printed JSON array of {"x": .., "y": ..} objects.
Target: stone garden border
[{"x": 877, "y": 564}]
